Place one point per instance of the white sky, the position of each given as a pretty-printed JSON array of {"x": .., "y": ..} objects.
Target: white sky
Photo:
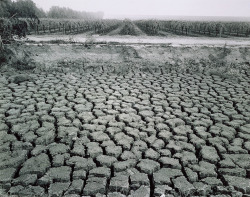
[{"x": 155, "y": 7}]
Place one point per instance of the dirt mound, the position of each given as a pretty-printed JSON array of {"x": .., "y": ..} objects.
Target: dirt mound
[
  {"x": 15, "y": 56},
  {"x": 122, "y": 57},
  {"x": 21, "y": 78}
]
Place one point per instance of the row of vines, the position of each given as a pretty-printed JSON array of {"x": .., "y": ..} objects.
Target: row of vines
[
  {"x": 68, "y": 26},
  {"x": 21, "y": 27},
  {"x": 128, "y": 28},
  {"x": 192, "y": 28},
  {"x": 151, "y": 27}
]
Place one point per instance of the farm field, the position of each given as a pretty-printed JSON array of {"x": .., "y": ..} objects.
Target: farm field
[
  {"x": 119, "y": 118},
  {"x": 111, "y": 27},
  {"x": 144, "y": 27}
]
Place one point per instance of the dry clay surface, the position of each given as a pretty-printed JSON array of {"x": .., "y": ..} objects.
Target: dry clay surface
[{"x": 144, "y": 134}]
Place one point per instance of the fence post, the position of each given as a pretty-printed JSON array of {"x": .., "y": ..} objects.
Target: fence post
[
  {"x": 37, "y": 29},
  {"x": 221, "y": 31},
  {"x": 63, "y": 29},
  {"x": 1, "y": 44}
]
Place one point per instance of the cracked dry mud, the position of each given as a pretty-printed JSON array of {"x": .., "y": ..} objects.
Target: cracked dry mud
[{"x": 109, "y": 135}]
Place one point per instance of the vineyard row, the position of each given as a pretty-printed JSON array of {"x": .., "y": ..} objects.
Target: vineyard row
[
  {"x": 196, "y": 28},
  {"x": 150, "y": 27}
]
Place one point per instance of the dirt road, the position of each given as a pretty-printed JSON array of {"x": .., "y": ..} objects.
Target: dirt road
[{"x": 171, "y": 39}]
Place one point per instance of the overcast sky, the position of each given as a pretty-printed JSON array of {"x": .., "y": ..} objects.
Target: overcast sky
[{"x": 155, "y": 7}]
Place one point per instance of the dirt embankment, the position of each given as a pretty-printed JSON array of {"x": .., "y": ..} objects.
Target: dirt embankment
[{"x": 124, "y": 57}]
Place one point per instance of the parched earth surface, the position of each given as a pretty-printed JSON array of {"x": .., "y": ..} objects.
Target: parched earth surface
[{"x": 114, "y": 135}]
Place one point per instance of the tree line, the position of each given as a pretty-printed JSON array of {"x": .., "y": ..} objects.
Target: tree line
[
  {"x": 28, "y": 9},
  {"x": 58, "y": 12}
]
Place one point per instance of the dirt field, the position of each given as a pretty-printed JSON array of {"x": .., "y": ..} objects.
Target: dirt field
[{"x": 126, "y": 120}]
